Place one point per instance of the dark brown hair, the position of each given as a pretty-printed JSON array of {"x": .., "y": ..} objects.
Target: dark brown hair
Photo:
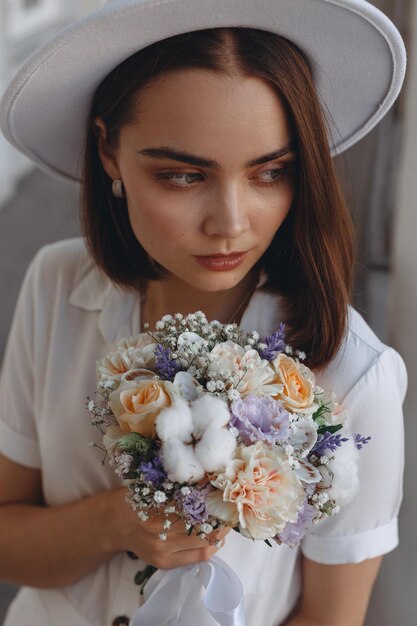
[{"x": 310, "y": 261}]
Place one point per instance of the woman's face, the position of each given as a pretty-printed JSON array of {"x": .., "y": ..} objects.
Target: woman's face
[{"x": 207, "y": 167}]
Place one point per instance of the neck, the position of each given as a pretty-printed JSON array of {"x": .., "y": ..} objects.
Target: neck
[{"x": 174, "y": 296}]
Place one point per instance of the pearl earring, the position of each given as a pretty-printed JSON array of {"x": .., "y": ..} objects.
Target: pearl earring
[{"x": 118, "y": 189}]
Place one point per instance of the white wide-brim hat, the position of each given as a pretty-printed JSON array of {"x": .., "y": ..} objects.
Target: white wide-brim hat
[{"x": 357, "y": 55}]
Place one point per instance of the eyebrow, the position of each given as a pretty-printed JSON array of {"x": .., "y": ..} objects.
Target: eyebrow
[{"x": 164, "y": 152}]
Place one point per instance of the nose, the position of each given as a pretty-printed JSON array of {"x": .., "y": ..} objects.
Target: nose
[{"x": 226, "y": 214}]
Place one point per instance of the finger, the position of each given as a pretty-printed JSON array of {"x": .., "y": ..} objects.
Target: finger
[{"x": 188, "y": 557}]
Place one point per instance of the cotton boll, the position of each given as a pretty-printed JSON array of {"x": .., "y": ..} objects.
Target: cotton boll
[
  {"x": 180, "y": 462},
  {"x": 208, "y": 411},
  {"x": 345, "y": 469},
  {"x": 175, "y": 421},
  {"x": 215, "y": 449}
]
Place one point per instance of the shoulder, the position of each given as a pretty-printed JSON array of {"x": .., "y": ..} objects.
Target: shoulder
[
  {"x": 61, "y": 276},
  {"x": 63, "y": 259},
  {"x": 363, "y": 359},
  {"x": 53, "y": 265},
  {"x": 65, "y": 270}
]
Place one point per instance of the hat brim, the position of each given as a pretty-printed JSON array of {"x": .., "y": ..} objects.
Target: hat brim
[{"x": 357, "y": 54}]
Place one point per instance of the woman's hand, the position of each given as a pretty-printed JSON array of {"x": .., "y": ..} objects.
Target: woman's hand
[
  {"x": 133, "y": 535},
  {"x": 74, "y": 539}
]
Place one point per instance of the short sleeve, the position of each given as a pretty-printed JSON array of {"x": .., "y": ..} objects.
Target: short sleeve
[
  {"x": 368, "y": 526},
  {"x": 18, "y": 431}
]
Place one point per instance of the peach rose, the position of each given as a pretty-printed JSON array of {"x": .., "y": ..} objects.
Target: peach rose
[
  {"x": 258, "y": 490},
  {"x": 298, "y": 381},
  {"x": 137, "y": 404}
]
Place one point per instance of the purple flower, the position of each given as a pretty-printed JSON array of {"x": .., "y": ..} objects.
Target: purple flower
[
  {"x": 327, "y": 441},
  {"x": 274, "y": 343},
  {"x": 167, "y": 366},
  {"x": 153, "y": 471},
  {"x": 260, "y": 418},
  {"x": 360, "y": 441},
  {"x": 293, "y": 532},
  {"x": 193, "y": 502}
]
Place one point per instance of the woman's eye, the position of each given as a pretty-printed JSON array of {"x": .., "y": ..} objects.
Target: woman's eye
[
  {"x": 274, "y": 174},
  {"x": 179, "y": 179},
  {"x": 183, "y": 180}
]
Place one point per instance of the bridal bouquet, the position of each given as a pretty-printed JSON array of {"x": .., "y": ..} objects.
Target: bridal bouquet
[{"x": 218, "y": 427}]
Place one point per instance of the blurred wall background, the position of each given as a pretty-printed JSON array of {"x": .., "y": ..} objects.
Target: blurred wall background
[
  {"x": 24, "y": 26},
  {"x": 379, "y": 177}
]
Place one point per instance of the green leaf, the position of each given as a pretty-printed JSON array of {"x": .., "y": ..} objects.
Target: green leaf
[
  {"x": 329, "y": 429},
  {"x": 323, "y": 408},
  {"x": 321, "y": 421}
]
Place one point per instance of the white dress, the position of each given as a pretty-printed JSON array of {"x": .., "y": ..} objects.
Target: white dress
[{"x": 66, "y": 316}]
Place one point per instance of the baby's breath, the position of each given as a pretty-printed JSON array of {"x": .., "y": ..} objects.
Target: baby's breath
[
  {"x": 187, "y": 343},
  {"x": 159, "y": 497}
]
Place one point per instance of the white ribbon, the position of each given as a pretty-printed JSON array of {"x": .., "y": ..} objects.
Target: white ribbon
[{"x": 175, "y": 600}]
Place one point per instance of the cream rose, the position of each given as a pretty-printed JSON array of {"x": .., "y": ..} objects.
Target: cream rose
[
  {"x": 258, "y": 490},
  {"x": 298, "y": 389},
  {"x": 249, "y": 372},
  {"x": 139, "y": 341},
  {"x": 131, "y": 358},
  {"x": 137, "y": 404}
]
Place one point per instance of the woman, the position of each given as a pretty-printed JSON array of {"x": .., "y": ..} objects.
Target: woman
[{"x": 207, "y": 184}]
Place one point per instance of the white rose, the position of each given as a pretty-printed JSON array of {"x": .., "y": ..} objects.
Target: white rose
[{"x": 249, "y": 372}]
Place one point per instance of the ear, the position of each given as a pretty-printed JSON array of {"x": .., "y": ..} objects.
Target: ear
[{"x": 106, "y": 153}]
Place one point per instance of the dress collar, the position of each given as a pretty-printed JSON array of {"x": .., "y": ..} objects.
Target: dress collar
[{"x": 94, "y": 291}]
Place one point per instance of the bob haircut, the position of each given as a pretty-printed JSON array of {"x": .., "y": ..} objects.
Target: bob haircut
[{"x": 310, "y": 260}]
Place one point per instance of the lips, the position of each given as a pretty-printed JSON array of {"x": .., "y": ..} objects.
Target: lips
[
  {"x": 221, "y": 262},
  {"x": 225, "y": 256}
]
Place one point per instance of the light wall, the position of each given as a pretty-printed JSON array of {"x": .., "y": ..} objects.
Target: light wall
[
  {"x": 394, "y": 600},
  {"x": 13, "y": 165}
]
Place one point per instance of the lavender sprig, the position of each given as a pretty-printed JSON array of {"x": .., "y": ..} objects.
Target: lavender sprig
[
  {"x": 327, "y": 441},
  {"x": 153, "y": 471},
  {"x": 293, "y": 532},
  {"x": 360, "y": 441},
  {"x": 193, "y": 502},
  {"x": 165, "y": 364},
  {"x": 274, "y": 343}
]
